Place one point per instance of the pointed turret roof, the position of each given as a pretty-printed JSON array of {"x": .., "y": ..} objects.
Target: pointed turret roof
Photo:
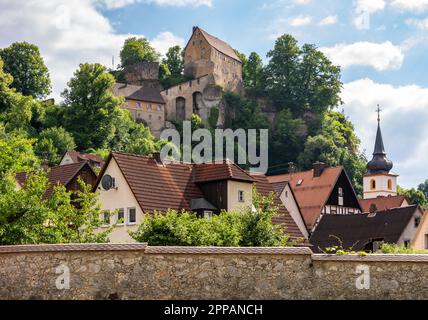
[{"x": 380, "y": 163}]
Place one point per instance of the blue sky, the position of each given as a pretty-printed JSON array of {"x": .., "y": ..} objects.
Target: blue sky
[{"x": 381, "y": 46}]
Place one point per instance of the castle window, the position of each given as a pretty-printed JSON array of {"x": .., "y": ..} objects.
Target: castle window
[
  {"x": 150, "y": 107},
  {"x": 373, "y": 184},
  {"x": 159, "y": 107},
  {"x": 389, "y": 184}
]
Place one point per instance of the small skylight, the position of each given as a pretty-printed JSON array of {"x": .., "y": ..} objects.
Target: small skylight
[
  {"x": 299, "y": 183},
  {"x": 371, "y": 215}
]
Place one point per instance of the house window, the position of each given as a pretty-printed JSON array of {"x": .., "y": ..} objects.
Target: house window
[
  {"x": 241, "y": 196},
  {"x": 159, "y": 107},
  {"x": 132, "y": 216},
  {"x": 286, "y": 194},
  {"x": 340, "y": 196},
  {"x": 407, "y": 243},
  {"x": 417, "y": 221},
  {"x": 106, "y": 218},
  {"x": 373, "y": 184},
  {"x": 121, "y": 217},
  {"x": 208, "y": 214},
  {"x": 139, "y": 105},
  {"x": 389, "y": 184},
  {"x": 150, "y": 107}
]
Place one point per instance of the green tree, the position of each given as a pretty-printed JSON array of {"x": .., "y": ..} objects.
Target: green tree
[
  {"x": 136, "y": 50},
  {"x": 246, "y": 228},
  {"x": 172, "y": 68},
  {"x": 53, "y": 143},
  {"x": 336, "y": 144},
  {"x": 26, "y": 217},
  {"x": 92, "y": 110},
  {"x": 30, "y": 75},
  {"x": 415, "y": 196},
  {"x": 424, "y": 188},
  {"x": 253, "y": 75},
  {"x": 302, "y": 80}
]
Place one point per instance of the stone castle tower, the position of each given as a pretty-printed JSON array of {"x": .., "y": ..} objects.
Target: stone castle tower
[
  {"x": 215, "y": 68},
  {"x": 379, "y": 181}
]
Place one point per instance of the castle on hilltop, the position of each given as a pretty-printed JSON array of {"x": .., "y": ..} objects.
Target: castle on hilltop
[{"x": 210, "y": 62}]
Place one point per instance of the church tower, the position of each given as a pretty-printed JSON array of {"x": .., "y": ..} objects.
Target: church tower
[{"x": 379, "y": 181}]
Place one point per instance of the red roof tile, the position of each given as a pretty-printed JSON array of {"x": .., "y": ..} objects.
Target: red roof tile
[
  {"x": 382, "y": 203},
  {"x": 59, "y": 174},
  {"x": 173, "y": 185},
  {"x": 311, "y": 192},
  {"x": 226, "y": 170},
  {"x": 80, "y": 157}
]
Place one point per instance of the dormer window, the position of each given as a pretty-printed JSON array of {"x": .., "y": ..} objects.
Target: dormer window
[{"x": 241, "y": 197}]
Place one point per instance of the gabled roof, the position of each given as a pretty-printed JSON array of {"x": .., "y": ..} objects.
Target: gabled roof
[
  {"x": 59, "y": 174},
  {"x": 283, "y": 218},
  {"x": 138, "y": 93},
  {"x": 382, "y": 203},
  {"x": 225, "y": 170},
  {"x": 357, "y": 230},
  {"x": 173, "y": 185},
  {"x": 311, "y": 193},
  {"x": 219, "y": 45},
  {"x": 81, "y": 157}
]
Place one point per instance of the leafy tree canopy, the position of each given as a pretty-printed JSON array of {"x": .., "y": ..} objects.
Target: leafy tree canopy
[
  {"x": 136, "y": 50},
  {"x": 24, "y": 63},
  {"x": 53, "y": 143}
]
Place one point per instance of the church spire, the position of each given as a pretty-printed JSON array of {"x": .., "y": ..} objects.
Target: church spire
[{"x": 379, "y": 163}]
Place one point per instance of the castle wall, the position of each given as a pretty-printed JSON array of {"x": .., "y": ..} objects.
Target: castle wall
[
  {"x": 201, "y": 94},
  {"x": 151, "y": 114}
]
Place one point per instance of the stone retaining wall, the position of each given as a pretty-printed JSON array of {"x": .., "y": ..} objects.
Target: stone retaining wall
[{"x": 136, "y": 271}]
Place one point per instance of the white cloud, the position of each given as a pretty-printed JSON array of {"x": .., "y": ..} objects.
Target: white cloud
[
  {"x": 370, "y": 6},
  {"x": 302, "y": 2},
  {"x": 115, "y": 4},
  {"x": 329, "y": 20},
  {"x": 420, "y": 24},
  {"x": 300, "y": 21},
  {"x": 66, "y": 36},
  {"x": 380, "y": 56},
  {"x": 410, "y": 5},
  {"x": 405, "y": 110}
]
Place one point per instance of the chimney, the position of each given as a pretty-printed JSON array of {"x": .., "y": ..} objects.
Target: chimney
[
  {"x": 318, "y": 169},
  {"x": 157, "y": 157},
  {"x": 194, "y": 28}
]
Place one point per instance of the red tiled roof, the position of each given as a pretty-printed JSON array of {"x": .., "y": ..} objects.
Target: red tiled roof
[
  {"x": 173, "y": 185},
  {"x": 80, "y": 157},
  {"x": 382, "y": 203},
  {"x": 283, "y": 218},
  {"x": 60, "y": 174},
  {"x": 226, "y": 170},
  {"x": 158, "y": 187},
  {"x": 313, "y": 192}
]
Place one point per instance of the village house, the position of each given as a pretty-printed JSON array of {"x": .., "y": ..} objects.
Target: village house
[
  {"x": 72, "y": 156},
  {"x": 367, "y": 232},
  {"x": 316, "y": 192},
  {"x": 66, "y": 175},
  {"x": 145, "y": 104},
  {"x": 132, "y": 185},
  {"x": 387, "y": 218}
]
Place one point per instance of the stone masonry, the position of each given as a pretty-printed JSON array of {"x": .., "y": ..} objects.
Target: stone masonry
[{"x": 136, "y": 271}]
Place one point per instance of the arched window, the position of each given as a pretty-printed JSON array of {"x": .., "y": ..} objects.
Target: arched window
[
  {"x": 197, "y": 103},
  {"x": 180, "y": 108},
  {"x": 373, "y": 184},
  {"x": 389, "y": 184}
]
